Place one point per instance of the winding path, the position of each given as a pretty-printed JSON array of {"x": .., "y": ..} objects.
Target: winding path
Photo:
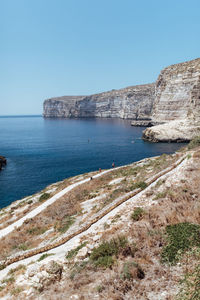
[{"x": 86, "y": 226}]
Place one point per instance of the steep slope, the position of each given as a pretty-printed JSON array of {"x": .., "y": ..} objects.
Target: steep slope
[
  {"x": 177, "y": 99},
  {"x": 133, "y": 102},
  {"x": 118, "y": 223}
]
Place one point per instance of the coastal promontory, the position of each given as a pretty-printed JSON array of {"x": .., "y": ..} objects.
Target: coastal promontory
[{"x": 171, "y": 104}]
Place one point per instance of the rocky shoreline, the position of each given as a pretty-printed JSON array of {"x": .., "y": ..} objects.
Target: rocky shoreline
[
  {"x": 3, "y": 162},
  {"x": 172, "y": 104}
]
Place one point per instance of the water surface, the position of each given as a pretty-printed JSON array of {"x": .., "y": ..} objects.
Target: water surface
[{"x": 42, "y": 151}]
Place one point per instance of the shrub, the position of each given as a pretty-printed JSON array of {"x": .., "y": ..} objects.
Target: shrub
[
  {"x": 128, "y": 271},
  {"x": 78, "y": 268},
  {"x": 20, "y": 267},
  {"x": 194, "y": 143},
  {"x": 43, "y": 256},
  {"x": 16, "y": 291},
  {"x": 160, "y": 195},
  {"x": 137, "y": 214},
  {"x": 44, "y": 197},
  {"x": 138, "y": 185},
  {"x": 180, "y": 238},
  {"x": 102, "y": 256},
  {"x": 64, "y": 225},
  {"x": 36, "y": 230},
  {"x": 190, "y": 284},
  {"x": 73, "y": 252},
  {"x": 8, "y": 280}
]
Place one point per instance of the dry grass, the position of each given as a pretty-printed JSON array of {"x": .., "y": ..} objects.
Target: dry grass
[{"x": 180, "y": 204}]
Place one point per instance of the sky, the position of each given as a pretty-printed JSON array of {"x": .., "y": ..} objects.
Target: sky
[{"x": 52, "y": 48}]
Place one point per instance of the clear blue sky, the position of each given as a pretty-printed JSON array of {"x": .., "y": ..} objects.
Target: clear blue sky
[{"x": 69, "y": 47}]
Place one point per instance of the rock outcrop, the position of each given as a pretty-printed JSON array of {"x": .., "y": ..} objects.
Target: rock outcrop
[
  {"x": 174, "y": 97},
  {"x": 134, "y": 102},
  {"x": 177, "y": 103},
  {"x": 2, "y": 162}
]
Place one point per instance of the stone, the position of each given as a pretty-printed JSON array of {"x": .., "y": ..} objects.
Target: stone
[
  {"x": 3, "y": 162},
  {"x": 177, "y": 104},
  {"x": 134, "y": 102}
]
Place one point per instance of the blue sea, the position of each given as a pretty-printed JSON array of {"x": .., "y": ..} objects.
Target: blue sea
[{"x": 42, "y": 151}]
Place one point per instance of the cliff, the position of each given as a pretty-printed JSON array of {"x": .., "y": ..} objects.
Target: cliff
[
  {"x": 134, "y": 102},
  {"x": 174, "y": 100},
  {"x": 177, "y": 103}
]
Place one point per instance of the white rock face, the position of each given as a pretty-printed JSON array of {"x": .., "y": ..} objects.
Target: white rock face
[
  {"x": 177, "y": 92},
  {"x": 177, "y": 97},
  {"x": 173, "y": 131},
  {"x": 133, "y": 102},
  {"x": 174, "y": 96}
]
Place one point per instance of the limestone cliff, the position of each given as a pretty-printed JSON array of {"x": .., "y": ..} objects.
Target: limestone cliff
[
  {"x": 177, "y": 99},
  {"x": 134, "y": 102}
]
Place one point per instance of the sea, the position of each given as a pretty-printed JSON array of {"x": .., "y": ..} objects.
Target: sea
[{"x": 43, "y": 151}]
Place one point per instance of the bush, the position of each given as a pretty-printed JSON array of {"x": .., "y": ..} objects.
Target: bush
[
  {"x": 128, "y": 271},
  {"x": 190, "y": 284},
  {"x": 43, "y": 256},
  {"x": 64, "y": 225},
  {"x": 73, "y": 252},
  {"x": 36, "y": 230},
  {"x": 137, "y": 214},
  {"x": 44, "y": 197},
  {"x": 102, "y": 256},
  {"x": 194, "y": 143},
  {"x": 180, "y": 238}
]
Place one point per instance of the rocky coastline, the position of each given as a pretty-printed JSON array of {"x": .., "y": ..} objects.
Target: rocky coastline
[
  {"x": 171, "y": 105},
  {"x": 3, "y": 162}
]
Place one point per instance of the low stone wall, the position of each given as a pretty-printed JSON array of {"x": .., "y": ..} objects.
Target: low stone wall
[{"x": 86, "y": 226}]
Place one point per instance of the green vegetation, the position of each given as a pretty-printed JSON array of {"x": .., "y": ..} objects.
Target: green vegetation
[
  {"x": 2, "y": 266},
  {"x": 194, "y": 143},
  {"x": 20, "y": 267},
  {"x": 180, "y": 238},
  {"x": 36, "y": 230},
  {"x": 137, "y": 214},
  {"x": 190, "y": 284},
  {"x": 103, "y": 255},
  {"x": 23, "y": 247},
  {"x": 8, "y": 280},
  {"x": 78, "y": 267},
  {"x": 73, "y": 252},
  {"x": 160, "y": 195},
  {"x": 44, "y": 197},
  {"x": 43, "y": 256},
  {"x": 64, "y": 225},
  {"x": 128, "y": 271},
  {"x": 16, "y": 290}
]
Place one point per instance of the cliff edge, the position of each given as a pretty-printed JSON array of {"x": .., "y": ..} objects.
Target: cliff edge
[
  {"x": 177, "y": 103},
  {"x": 134, "y": 102},
  {"x": 172, "y": 104}
]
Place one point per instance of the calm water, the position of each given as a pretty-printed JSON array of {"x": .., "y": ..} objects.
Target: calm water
[{"x": 42, "y": 151}]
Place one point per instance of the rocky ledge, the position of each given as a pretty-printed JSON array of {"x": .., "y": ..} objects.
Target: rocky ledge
[
  {"x": 173, "y": 131},
  {"x": 3, "y": 162}
]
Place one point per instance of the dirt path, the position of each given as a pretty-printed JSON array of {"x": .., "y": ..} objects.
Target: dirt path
[{"x": 86, "y": 226}]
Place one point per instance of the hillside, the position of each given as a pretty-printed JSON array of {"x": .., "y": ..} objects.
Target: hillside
[{"x": 126, "y": 233}]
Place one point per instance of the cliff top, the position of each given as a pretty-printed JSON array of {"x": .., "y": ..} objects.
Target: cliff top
[
  {"x": 189, "y": 66},
  {"x": 113, "y": 92}
]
